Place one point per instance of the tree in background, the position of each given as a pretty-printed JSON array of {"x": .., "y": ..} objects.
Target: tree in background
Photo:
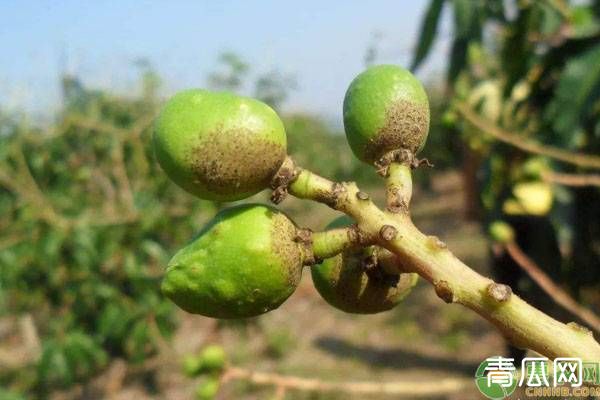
[
  {"x": 233, "y": 75},
  {"x": 86, "y": 231}
]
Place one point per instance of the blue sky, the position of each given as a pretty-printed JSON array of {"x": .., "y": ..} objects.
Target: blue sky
[{"x": 322, "y": 43}]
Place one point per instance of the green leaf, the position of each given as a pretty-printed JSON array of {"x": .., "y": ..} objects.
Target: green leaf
[
  {"x": 113, "y": 322},
  {"x": 584, "y": 22},
  {"x": 464, "y": 14},
  {"x": 84, "y": 355},
  {"x": 6, "y": 394},
  {"x": 138, "y": 343},
  {"x": 53, "y": 367},
  {"x": 458, "y": 57},
  {"x": 467, "y": 29},
  {"x": 575, "y": 92},
  {"x": 428, "y": 32},
  {"x": 546, "y": 19}
]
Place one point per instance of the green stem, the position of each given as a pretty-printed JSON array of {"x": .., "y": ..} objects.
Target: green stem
[
  {"x": 399, "y": 188},
  {"x": 454, "y": 282},
  {"x": 334, "y": 241}
]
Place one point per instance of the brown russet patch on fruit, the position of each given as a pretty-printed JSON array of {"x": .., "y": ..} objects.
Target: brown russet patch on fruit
[
  {"x": 406, "y": 126},
  {"x": 285, "y": 244},
  {"x": 230, "y": 162}
]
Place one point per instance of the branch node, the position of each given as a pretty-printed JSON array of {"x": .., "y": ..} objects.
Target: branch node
[
  {"x": 304, "y": 238},
  {"x": 444, "y": 291},
  {"x": 356, "y": 235},
  {"x": 396, "y": 204},
  {"x": 382, "y": 165},
  {"x": 369, "y": 263},
  {"x": 435, "y": 243},
  {"x": 499, "y": 292},
  {"x": 388, "y": 232},
  {"x": 333, "y": 198},
  {"x": 362, "y": 195},
  {"x": 580, "y": 328},
  {"x": 401, "y": 156},
  {"x": 282, "y": 179}
]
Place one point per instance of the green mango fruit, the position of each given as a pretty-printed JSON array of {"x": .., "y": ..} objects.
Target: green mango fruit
[
  {"x": 344, "y": 283},
  {"x": 385, "y": 109},
  {"x": 244, "y": 263},
  {"x": 217, "y": 145}
]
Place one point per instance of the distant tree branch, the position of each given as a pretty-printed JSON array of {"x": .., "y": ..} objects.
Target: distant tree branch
[
  {"x": 283, "y": 383},
  {"x": 525, "y": 144},
  {"x": 557, "y": 294},
  {"x": 572, "y": 179},
  {"x": 29, "y": 190}
]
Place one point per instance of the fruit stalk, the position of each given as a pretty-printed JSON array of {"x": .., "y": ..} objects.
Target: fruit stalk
[
  {"x": 454, "y": 282},
  {"x": 399, "y": 188},
  {"x": 331, "y": 242}
]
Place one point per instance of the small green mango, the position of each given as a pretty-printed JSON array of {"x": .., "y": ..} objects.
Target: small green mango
[
  {"x": 501, "y": 232},
  {"x": 217, "y": 145},
  {"x": 385, "y": 109},
  {"x": 344, "y": 283},
  {"x": 210, "y": 360},
  {"x": 244, "y": 263},
  {"x": 208, "y": 389},
  {"x": 530, "y": 198}
]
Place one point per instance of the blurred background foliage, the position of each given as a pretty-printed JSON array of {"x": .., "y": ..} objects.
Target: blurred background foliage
[
  {"x": 532, "y": 69},
  {"x": 89, "y": 220}
]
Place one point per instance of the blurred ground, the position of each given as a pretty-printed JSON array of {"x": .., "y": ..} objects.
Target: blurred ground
[{"x": 421, "y": 340}]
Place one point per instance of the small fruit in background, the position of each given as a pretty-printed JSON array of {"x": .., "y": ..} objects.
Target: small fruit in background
[
  {"x": 530, "y": 198},
  {"x": 245, "y": 262},
  {"x": 501, "y": 232},
  {"x": 207, "y": 389},
  {"x": 534, "y": 168},
  {"x": 279, "y": 342},
  {"x": 210, "y": 360},
  {"x": 348, "y": 284},
  {"x": 449, "y": 119},
  {"x": 385, "y": 109},
  {"x": 217, "y": 145}
]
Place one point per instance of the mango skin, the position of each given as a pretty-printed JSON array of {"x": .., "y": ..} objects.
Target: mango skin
[
  {"x": 385, "y": 108},
  {"x": 342, "y": 282},
  {"x": 217, "y": 145},
  {"x": 244, "y": 263}
]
